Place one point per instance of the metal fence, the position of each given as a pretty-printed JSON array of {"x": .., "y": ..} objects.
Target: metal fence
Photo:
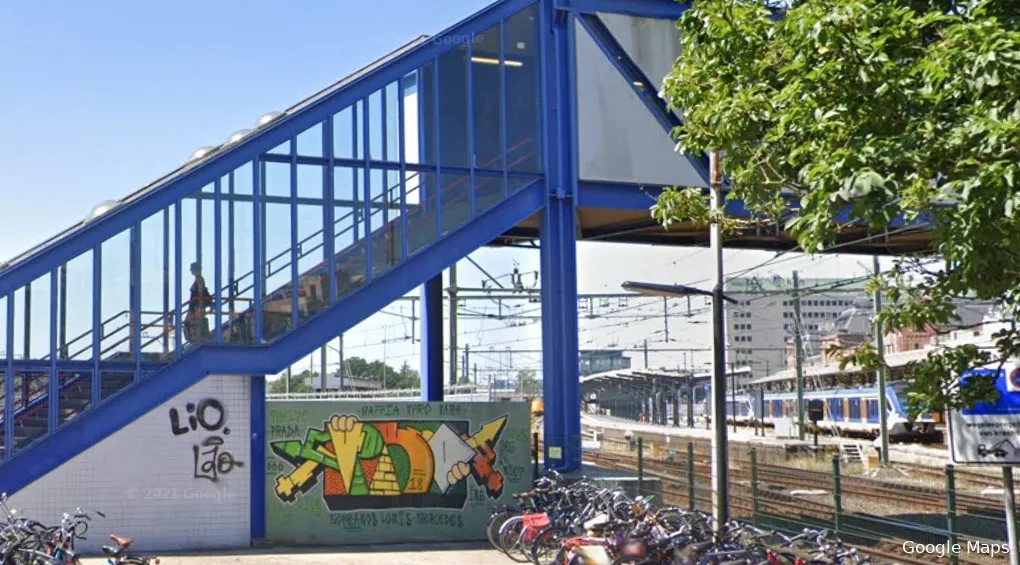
[{"x": 886, "y": 516}]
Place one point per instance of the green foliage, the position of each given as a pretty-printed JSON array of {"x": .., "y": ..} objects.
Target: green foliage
[
  {"x": 390, "y": 378},
  {"x": 888, "y": 108},
  {"x": 299, "y": 383},
  {"x": 403, "y": 378},
  {"x": 528, "y": 382}
]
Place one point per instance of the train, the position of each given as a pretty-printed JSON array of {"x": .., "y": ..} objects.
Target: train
[{"x": 846, "y": 410}]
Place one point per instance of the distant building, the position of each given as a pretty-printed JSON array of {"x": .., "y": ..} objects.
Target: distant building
[
  {"x": 600, "y": 360},
  {"x": 760, "y": 326}
]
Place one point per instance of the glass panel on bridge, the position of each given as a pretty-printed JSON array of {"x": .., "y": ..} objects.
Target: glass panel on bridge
[
  {"x": 157, "y": 274},
  {"x": 37, "y": 331},
  {"x": 524, "y": 118},
  {"x": 115, "y": 304},
  {"x": 277, "y": 301},
  {"x": 310, "y": 246},
  {"x": 30, "y": 407},
  {"x": 237, "y": 256},
  {"x": 75, "y": 317},
  {"x": 75, "y": 394},
  {"x": 113, "y": 381}
]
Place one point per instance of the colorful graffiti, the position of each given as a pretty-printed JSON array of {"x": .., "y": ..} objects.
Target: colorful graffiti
[{"x": 391, "y": 463}]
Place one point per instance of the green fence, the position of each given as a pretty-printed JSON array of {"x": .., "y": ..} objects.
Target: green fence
[
  {"x": 363, "y": 472},
  {"x": 794, "y": 493}
]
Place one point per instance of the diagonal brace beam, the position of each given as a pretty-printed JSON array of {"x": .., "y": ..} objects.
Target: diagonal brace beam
[{"x": 638, "y": 81}]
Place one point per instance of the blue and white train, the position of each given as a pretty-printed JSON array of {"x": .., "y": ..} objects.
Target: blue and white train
[{"x": 847, "y": 410}]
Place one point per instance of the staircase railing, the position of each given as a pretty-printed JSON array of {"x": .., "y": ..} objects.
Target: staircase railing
[
  {"x": 34, "y": 397},
  {"x": 165, "y": 320}
]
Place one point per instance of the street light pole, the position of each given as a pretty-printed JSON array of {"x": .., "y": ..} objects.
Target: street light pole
[{"x": 720, "y": 471}]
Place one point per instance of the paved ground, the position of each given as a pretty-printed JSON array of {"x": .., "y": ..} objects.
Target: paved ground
[{"x": 420, "y": 554}]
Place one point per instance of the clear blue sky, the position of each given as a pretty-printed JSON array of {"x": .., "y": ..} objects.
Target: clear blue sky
[{"x": 99, "y": 98}]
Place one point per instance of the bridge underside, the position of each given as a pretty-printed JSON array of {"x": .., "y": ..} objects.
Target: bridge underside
[{"x": 322, "y": 215}]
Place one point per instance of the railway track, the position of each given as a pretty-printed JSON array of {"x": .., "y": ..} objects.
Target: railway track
[{"x": 775, "y": 483}]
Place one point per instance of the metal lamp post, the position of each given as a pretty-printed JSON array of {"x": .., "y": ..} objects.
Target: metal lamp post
[{"x": 720, "y": 440}]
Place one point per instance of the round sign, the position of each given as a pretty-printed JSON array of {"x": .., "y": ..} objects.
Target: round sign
[{"x": 1014, "y": 378}]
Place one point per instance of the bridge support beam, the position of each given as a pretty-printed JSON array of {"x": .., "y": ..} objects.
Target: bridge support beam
[
  {"x": 558, "y": 241},
  {"x": 258, "y": 457},
  {"x": 432, "y": 339}
]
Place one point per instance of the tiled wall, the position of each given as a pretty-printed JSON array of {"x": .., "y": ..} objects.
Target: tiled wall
[{"x": 160, "y": 482}]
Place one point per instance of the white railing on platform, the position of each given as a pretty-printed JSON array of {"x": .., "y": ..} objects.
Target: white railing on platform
[{"x": 458, "y": 393}]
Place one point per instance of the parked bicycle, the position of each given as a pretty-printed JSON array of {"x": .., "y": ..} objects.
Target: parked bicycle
[
  {"x": 24, "y": 541},
  {"x": 557, "y": 523}
]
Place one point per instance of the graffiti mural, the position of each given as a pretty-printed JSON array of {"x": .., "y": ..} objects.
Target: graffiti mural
[
  {"x": 392, "y": 463},
  {"x": 211, "y": 458},
  {"x": 390, "y": 472}
]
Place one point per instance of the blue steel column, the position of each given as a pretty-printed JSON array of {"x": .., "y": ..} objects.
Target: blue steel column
[
  {"x": 9, "y": 379},
  {"x": 432, "y": 339},
  {"x": 366, "y": 123},
  {"x": 135, "y": 278},
  {"x": 218, "y": 260},
  {"x": 166, "y": 281},
  {"x": 53, "y": 384},
  {"x": 402, "y": 151},
  {"x": 259, "y": 265},
  {"x": 558, "y": 242},
  {"x": 257, "y": 467},
  {"x": 178, "y": 291},
  {"x": 97, "y": 324},
  {"x": 295, "y": 291},
  {"x": 329, "y": 208}
]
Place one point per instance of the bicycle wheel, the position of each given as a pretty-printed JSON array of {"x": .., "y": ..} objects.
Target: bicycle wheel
[
  {"x": 510, "y": 533},
  {"x": 546, "y": 546},
  {"x": 519, "y": 549},
  {"x": 495, "y": 524}
]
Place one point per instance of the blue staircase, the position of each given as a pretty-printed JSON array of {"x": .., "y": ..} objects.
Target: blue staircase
[{"x": 338, "y": 206}]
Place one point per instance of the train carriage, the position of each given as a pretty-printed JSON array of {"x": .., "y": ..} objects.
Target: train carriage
[{"x": 846, "y": 410}]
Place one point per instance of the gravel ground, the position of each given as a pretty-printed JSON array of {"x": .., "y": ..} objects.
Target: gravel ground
[{"x": 428, "y": 554}]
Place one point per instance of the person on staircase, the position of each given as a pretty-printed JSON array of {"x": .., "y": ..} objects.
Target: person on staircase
[{"x": 196, "y": 321}]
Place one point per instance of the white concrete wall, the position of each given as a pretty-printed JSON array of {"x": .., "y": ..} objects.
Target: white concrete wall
[
  {"x": 619, "y": 139},
  {"x": 143, "y": 477}
]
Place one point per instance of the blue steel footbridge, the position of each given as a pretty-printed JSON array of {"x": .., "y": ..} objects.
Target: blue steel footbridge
[{"x": 530, "y": 120}]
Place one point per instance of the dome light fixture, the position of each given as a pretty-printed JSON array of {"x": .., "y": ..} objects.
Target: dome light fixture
[
  {"x": 202, "y": 153},
  {"x": 101, "y": 209},
  {"x": 267, "y": 118},
  {"x": 237, "y": 136}
]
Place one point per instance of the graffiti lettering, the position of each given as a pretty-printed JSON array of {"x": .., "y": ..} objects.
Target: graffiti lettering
[
  {"x": 452, "y": 520},
  {"x": 397, "y": 519},
  {"x": 418, "y": 410},
  {"x": 354, "y": 520},
  {"x": 381, "y": 411},
  {"x": 447, "y": 410},
  {"x": 281, "y": 430},
  {"x": 211, "y": 460},
  {"x": 515, "y": 472},
  {"x": 199, "y": 415}
]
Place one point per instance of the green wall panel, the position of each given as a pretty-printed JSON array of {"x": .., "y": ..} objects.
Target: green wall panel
[{"x": 386, "y": 472}]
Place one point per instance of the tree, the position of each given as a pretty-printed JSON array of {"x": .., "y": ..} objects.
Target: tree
[
  {"x": 380, "y": 372},
  {"x": 298, "y": 383},
  {"x": 528, "y": 382},
  {"x": 884, "y": 109}
]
